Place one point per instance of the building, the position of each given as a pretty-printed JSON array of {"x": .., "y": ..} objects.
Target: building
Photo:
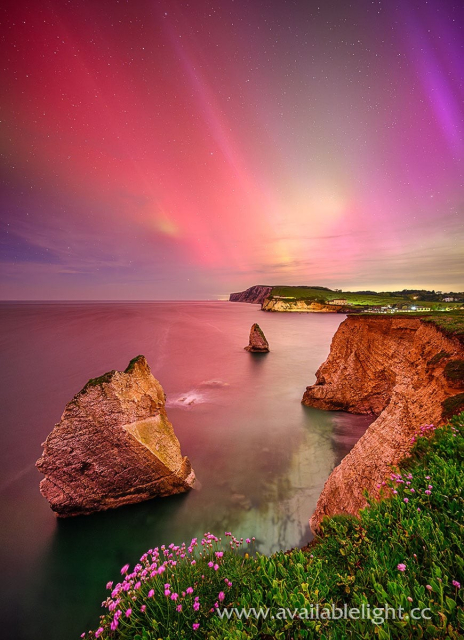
[
  {"x": 339, "y": 301},
  {"x": 448, "y": 299}
]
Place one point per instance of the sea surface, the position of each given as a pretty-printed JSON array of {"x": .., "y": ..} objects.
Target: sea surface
[{"x": 261, "y": 457}]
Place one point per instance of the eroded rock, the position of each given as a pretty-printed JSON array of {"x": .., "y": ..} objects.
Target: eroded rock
[
  {"x": 114, "y": 445},
  {"x": 392, "y": 368},
  {"x": 258, "y": 342}
]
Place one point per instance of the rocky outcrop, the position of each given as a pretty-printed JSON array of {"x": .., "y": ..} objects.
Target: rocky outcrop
[
  {"x": 392, "y": 368},
  {"x": 258, "y": 342},
  {"x": 114, "y": 445},
  {"x": 299, "y": 306},
  {"x": 255, "y": 295}
]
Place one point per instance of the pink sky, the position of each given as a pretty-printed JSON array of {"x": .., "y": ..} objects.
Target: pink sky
[{"x": 163, "y": 150}]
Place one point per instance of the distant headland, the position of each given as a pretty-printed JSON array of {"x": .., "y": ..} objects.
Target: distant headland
[{"x": 316, "y": 299}]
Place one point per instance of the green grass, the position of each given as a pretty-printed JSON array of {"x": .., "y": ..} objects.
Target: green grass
[
  {"x": 450, "y": 323},
  {"x": 417, "y": 526}
]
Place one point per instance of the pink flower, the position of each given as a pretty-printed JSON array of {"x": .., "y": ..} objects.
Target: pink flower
[
  {"x": 128, "y": 612},
  {"x": 221, "y": 596},
  {"x": 98, "y": 632},
  {"x": 196, "y": 606},
  {"x": 195, "y": 626},
  {"x": 210, "y": 565},
  {"x": 167, "y": 585},
  {"x": 109, "y": 585},
  {"x": 456, "y": 584},
  {"x": 124, "y": 569},
  {"x": 406, "y": 500},
  {"x": 216, "y": 567},
  {"x": 395, "y": 492},
  {"x": 143, "y": 608},
  {"x": 193, "y": 562},
  {"x": 167, "y": 592},
  {"x": 189, "y": 590},
  {"x": 151, "y": 593},
  {"x": 409, "y": 598},
  {"x": 401, "y": 567},
  {"x": 248, "y": 541},
  {"x": 174, "y": 596},
  {"x": 418, "y": 509},
  {"x": 219, "y": 554},
  {"x": 427, "y": 586},
  {"x": 179, "y": 608}
]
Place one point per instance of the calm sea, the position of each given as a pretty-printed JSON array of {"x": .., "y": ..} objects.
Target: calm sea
[{"x": 261, "y": 457}]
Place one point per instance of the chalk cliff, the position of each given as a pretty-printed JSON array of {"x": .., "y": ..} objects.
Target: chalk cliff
[
  {"x": 114, "y": 445},
  {"x": 393, "y": 368},
  {"x": 299, "y": 306},
  {"x": 255, "y": 295},
  {"x": 257, "y": 342}
]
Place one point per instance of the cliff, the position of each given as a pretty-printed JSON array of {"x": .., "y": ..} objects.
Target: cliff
[
  {"x": 114, "y": 445},
  {"x": 299, "y": 306},
  {"x": 394, "y": 368},
  {"x": 255, "y": 295}
]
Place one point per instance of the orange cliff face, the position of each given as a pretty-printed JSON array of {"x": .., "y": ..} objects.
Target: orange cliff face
[{"x": 393, "y": 368}]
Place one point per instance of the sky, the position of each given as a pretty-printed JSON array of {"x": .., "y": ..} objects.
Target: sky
[{"x": 186, "y": 149}]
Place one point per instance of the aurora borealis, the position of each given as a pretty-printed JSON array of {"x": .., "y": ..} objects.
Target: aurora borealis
[{"x": 163, "y": 150}]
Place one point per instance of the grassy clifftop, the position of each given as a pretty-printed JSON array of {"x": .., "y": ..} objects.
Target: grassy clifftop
[
  {"x": 404, "y": 552},
  {"x": 321, "y": 294}
]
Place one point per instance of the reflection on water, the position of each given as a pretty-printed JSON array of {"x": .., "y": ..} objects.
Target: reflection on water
[{"x": 261, "y": 457}]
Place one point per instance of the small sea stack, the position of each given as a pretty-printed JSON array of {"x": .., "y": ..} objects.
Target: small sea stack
[
  {"x": 258, "y": 342},
  {"x": 114, "y": 445}
]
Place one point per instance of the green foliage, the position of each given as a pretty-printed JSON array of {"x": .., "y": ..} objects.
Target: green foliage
[
  {"x": 450, "y": 323},
  {"x": 453, "y": 405},
  {"x": 454, "y": 370},
  {"x": 436, "y": 358},
  {"x": 132, "y": 364},
  {"x": 95, "y": 382},
  {"x": 403, "y": 551}
]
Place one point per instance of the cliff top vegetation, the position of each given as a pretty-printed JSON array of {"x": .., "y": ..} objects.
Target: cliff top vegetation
[
  {"x": 404, "y": 551},
  {"x": 363, "y": 298}
]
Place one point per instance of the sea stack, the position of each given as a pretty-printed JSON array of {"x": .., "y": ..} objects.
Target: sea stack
[
  {"x": 258, "y": 342},
  {"x": 114, "y": 445}
]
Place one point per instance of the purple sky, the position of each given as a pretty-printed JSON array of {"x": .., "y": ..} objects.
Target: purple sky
[{"x": 157, "y": 150}]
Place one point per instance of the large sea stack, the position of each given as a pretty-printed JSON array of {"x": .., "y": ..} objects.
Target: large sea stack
[
  {"x": 114, "y": 445},
  {"x": 258, "y": 342}
]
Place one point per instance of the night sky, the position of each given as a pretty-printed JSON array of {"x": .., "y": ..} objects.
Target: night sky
[{"x": 182, "y": 150}]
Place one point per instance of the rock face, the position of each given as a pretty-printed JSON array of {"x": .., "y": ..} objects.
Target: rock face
[
  {"x": 300, "y": 306},
  {"x": 114, "y": 445},
  {"x": 258, "y": 342},
  {"x": 390, "y": 367},
  {"x": 255, "y": 295}
]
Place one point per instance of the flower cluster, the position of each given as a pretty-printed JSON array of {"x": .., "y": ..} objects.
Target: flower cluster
[
  {"x": 155, "y": 585},
  {"x": 425, "y": 430}
]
